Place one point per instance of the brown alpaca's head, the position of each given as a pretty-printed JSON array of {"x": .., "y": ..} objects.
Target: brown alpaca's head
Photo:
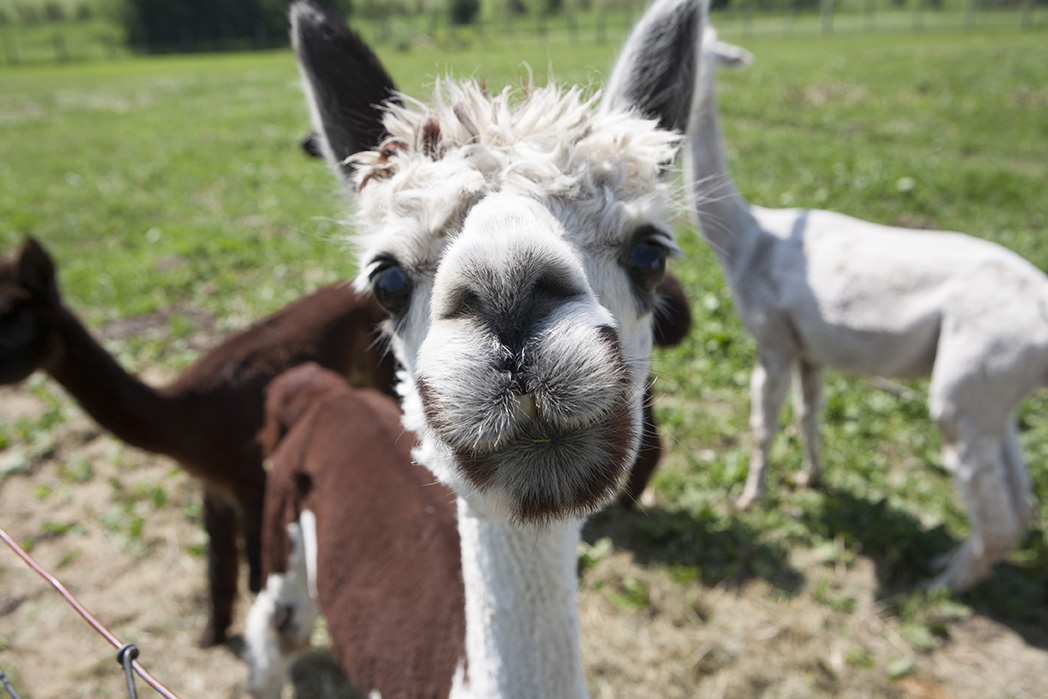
[{"x": 29, "y": 305}]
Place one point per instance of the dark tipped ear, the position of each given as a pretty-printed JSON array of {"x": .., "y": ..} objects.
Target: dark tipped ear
[
  {"x": 672, "y": 313},
  {"x": 345, "y": 83},
  {"x": 655, "y": 74},
  {"x": 36, "y": 271}
]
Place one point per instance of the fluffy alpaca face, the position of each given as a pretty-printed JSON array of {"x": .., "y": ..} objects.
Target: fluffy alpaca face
[
  {"x": 516, "y": 242},
  {"x": 517, "y": 248}
]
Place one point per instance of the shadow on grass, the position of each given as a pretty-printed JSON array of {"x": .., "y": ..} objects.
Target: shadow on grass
[
  {"x": 901, "y": 549},
  {"x": 1014, "y": 594},
  {"x": 718, "y": 550}
]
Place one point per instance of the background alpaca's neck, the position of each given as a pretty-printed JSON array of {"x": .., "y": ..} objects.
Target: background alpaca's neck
[
  {"x": 119, "y": 402},
  {"x": 723, "y": 214},
  {"x": 522, "y": 629}
]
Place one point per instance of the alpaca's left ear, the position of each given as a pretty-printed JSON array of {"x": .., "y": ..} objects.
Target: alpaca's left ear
[
  {"x": 36, "y": 271},
  {"x": 655, "y": 75},
  {"x": 345, "y": 84}
]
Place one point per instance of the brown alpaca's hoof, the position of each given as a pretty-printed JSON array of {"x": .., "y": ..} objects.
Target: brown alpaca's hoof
[{"x": 210, "y": 639}]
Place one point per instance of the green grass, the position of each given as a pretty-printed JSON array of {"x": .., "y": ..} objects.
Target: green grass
[{"x": 178, "y": 182}]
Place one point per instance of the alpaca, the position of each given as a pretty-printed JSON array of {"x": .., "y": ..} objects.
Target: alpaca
[
  {"x": 372, "y": 540},
  {"x": 817, "y": 288},
  {"x": 515, "y": 241},
  {"x": 207, "y": 419}
]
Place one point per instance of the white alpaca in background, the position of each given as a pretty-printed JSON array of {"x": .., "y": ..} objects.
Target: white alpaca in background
[
  {"x": 516, "y": 242},
  {"x": 817, "y": 288}
]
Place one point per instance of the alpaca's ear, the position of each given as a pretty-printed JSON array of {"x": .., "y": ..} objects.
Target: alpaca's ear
[
  {"x": 36, "y": 271},
  {"x": 672, "y": 318},
  {"x": 345, "y": 84},
  {"x": 730, "y": 55},
  {"x": 655, "y": 75}
]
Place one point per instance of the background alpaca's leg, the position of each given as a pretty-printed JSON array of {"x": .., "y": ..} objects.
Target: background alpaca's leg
[
  {"x": 1018, "y": 475},
  {"x": 807, "y": 406},
  {"x": 768, "y": 386},
  {"x": 648, "y": 456},
  {"x": 221, "y": 525},
  {"x": 251, "y": 495},
  {"x": 977, "y": 462}
]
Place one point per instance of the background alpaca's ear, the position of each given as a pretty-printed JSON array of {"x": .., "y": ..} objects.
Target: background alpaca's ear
[
  {"x": 345, "y": 84},
  {"x": 36, "y": 271},
  {"x": 729, "y": 55},
  {"x": 655, "y": 75}
]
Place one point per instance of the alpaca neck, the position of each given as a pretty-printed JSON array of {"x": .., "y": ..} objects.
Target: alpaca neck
[
  {"x": 724, "y": 216},
  {"x": 522, "y": 629},
  {"x": 119, "y": 402}
]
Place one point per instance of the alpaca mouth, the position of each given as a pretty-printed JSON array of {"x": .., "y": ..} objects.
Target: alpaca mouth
[
  {"x": 547, "y": 468},
  {"x": 548, "y": 472},
  {"x": 542, "y": 433}
]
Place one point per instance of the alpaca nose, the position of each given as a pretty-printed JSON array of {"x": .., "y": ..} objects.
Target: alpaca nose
[
  {"x": 514, "y": 310},
  {"x": 510, "y": 271}
]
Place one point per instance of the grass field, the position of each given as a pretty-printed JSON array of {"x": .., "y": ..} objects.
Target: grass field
[{"x": 177, "y": 183}]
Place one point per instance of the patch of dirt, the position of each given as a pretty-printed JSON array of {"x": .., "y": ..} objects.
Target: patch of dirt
[{"x": 133, "y": 558}]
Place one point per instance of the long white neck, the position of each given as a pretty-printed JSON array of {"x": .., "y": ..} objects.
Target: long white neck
[
  {"x": 522, "y": 627},
  {"x": 723, "y": 214}
]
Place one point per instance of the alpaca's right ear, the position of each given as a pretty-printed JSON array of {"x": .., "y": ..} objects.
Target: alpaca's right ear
[
  {"x": 36, "y": 271},
  {"x": 655, "y": 74},
  {"x": 726, "y": 55},
  {"x": 345, "y": 84}
]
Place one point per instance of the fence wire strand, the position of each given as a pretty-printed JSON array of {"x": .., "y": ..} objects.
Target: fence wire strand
[
  {"x": 126, "y": 652},
  {"x": 8, "y": 687}
]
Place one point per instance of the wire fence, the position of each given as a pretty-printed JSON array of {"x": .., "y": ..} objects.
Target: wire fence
[
  {"x": 71, "y": 41},
  {"x": 126, "y": 653}
]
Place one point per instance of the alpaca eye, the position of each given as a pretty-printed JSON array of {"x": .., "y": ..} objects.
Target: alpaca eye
[
  {"x": 646, "y": 263},
  {"x": 391, "y": 287}
]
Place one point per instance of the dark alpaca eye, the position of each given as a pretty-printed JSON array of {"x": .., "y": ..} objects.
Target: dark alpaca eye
[
  {"x": 646, "y": 263},
  {"x": 391, "y": 287}
]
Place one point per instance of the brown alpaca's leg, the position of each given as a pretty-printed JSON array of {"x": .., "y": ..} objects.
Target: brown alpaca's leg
[
  {"x": 252, "y": 498},
  {"x": 647, "y": 457},
  {"x": 220, "y": 523}
]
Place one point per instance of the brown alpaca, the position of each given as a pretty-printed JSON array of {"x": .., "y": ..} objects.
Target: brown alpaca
[
  {"x": 209, "y": 417},
  {"x": 373, "y": 541}
]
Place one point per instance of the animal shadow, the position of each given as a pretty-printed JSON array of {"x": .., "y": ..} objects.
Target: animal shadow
[
  {"x": 902, "y": 550},
  {"x": 718, "y": 552}
]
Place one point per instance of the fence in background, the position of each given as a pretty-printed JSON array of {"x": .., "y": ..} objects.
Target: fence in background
[{"x": 22, "y": 44}]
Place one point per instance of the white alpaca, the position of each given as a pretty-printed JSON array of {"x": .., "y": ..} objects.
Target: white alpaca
[
  {"x": 516, "y": 242},
  {"x": 817, "y": 288}
]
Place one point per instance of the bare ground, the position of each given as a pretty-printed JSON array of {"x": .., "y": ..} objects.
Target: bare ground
[{"x": 121, "y": 529}]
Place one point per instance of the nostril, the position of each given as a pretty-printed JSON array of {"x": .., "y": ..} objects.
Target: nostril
[
  {"x": 463, "y": 303},
  {"x": 553, "y": 288}
]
